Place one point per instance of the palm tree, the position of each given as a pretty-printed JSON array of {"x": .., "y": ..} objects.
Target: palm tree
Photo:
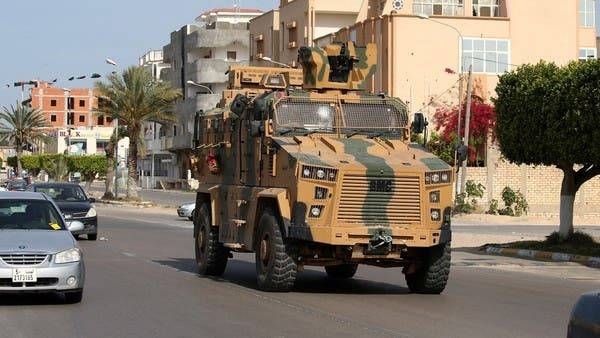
[
  {"x": 135, "y": 98},
  {"x": 21, "y": 126}
]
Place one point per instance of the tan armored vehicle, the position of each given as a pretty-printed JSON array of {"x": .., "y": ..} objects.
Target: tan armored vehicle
[{"x": 305, "y": 168}]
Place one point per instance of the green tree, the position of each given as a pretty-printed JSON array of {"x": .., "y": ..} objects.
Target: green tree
[
  {"x": 31, "y": 163},
  {"x": 55, "y": 165},
  {"x": 135, "y": 98},
  {"x": 22, "y": 126},
  {"x": 89, "y": 166},
  {"x": 548, "y": 115}
]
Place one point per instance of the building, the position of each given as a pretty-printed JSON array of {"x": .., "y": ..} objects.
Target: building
[
  {"x": 279, "y": 33},
  {"x": 75, "y": 127},
  {"x": 425, "y": 48},
  {"x": 199, "y": 56},
  {"x": 154, "y": 164}
]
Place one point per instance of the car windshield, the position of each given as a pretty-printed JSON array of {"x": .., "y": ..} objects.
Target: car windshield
[
  {"x": 18, "y": 184},
  {"x": 29, "y": 214},
  {"x": 63, "y": 193}
]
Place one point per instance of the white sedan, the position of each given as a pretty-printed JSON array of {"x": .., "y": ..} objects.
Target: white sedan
[{"x": 187, "y": 210}]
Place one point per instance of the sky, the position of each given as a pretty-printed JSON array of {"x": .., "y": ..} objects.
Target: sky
[{"x": 58, "y": 39}]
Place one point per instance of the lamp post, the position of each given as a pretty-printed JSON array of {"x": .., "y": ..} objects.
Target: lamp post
[
  {"x": 465, "y": 139},
  {"x": 113, "y": 63},
  {"x": 192, "y": 83},
  {"x": 268, "y": 59}
]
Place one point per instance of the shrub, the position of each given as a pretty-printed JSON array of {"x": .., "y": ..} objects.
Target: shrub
[{"x": 466, "y": 202}]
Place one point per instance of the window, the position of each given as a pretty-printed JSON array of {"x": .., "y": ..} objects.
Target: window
[
  {"x": 109, "y": 120},
  {"x": 52, "y": 103},
  {"x": 70, "y": 118},
  {"x": 587, "y": 53},
  {"x": 486, "y": 8},
  {"x": 174, "y": 130},
  {"x": 100, "y": 120},
  {"x": 82, "y": 103},
  {"x": 70, "y": 103},
  {"x": 438, "y": 7},
  {"x": 260, "y": 47},
  {"x": 82, "y": 118},
  {"x": 587, "y": 14},
  {"x": 52, "y": 118},
  {"x": 231, "y": 55},
  {"x": 486, "y": 55}
]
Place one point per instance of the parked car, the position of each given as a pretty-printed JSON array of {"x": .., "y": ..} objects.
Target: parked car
[
  {"x": 37, "y": 251},
  {"x": 16, "y": 184},
  {"x": 187, "y": 210},
  {"x": 73, "y": 203},
  {"x": 585, "y": 316}
]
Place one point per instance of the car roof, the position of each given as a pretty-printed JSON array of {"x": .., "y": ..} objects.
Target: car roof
[
  {"x": 54, "y": 184},
  {"x": 22, "y": 195}
]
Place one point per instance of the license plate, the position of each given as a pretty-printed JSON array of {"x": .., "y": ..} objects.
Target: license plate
[{"x": 23, "y": 275}]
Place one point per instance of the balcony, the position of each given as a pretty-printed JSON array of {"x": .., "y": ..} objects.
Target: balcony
[
  {"x": 203, "y": 38},
  {"x": 202, "y": 102},
  {"x": 211, "y": 70}
]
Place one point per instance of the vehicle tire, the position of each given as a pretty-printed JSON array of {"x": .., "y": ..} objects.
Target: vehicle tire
[
  {"x": 73, "y": 297},
  {"x": 342, "y": 271},
  {"x": 193, "y": 214},
  {"x": 432, "y": 273},
  {"x": 275, "y": 268},
  {"x": 92, "y": 237},
  {"x": 211, "y": 256}
]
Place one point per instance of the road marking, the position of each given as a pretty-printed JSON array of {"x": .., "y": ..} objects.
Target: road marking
[{"x": 128, "y": 254}]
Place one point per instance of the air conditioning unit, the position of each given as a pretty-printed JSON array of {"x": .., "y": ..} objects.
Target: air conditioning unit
[
  {"x": 259, "y": 56},
  {"x": 291, "y": 24},
  {"x": 259, "y": 37},
  {"x": 292, "y": 44}
]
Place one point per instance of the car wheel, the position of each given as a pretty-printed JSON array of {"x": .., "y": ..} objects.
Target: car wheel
[
  {"x": 73, "y": 297},
  {"x": 275, "y": 268},
  {"x": 193, "y": 214},
  {"x": 432, "y": 274},
  {"x": 211, "y": 256},
  {"x": 92, "y": 237},
  {"x": 342, "y": 271}
]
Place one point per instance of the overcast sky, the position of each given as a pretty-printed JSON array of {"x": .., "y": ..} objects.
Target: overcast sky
[{"x": 63, "y": 38}]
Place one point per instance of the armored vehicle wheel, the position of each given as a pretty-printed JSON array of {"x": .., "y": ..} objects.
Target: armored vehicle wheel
[
  {"x": 211, "y": 256},
  {"x": 341, "y": 271},
  {"x": 275, "y": 268},
  {"x": 432, "y": 273}
]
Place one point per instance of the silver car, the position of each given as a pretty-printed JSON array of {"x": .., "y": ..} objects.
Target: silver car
[
  {"x": 187, "y": 210},
  {"x": 37, "y": 251}
]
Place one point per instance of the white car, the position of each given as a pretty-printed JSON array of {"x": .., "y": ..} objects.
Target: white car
[{"x": 187, "y": 210}]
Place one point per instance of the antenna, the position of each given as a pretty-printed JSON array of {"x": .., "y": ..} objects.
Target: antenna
[{"x": 236, "y": 7}]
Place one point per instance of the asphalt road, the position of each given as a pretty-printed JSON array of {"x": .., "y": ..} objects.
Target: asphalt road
[
  {"x": 173, "y": 198},
  {"x": 141, "y": 283}
]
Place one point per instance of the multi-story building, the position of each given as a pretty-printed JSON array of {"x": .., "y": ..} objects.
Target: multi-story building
[
  {"x": 279, "y": 33},
  {"x": 154, "y": 165},
  {"x": 74, "y": 125},
  {"x": 199, "y": 56},
  {"x": 425, "y": 48}
]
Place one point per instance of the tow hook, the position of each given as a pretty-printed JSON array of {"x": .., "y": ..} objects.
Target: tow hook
[{"x": 380, "y": 244}]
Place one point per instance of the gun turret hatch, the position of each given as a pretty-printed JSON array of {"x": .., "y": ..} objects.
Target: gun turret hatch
[{"x": 338, "y": 66}]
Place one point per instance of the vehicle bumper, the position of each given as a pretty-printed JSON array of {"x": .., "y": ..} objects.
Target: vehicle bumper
[
  {"x": 90, "y": 225},
  {"x": 50, "y": 279}
]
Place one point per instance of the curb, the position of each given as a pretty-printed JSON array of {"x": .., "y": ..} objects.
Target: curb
[
  {"x": 123, "y": 203},
  {"x": 592, "y": 262}
]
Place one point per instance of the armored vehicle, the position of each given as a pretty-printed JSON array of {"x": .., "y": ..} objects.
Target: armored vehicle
[{"x": 304, "y": 167}]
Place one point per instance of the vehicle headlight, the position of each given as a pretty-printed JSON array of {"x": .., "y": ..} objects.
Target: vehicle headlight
[
  {"x": 68, "y": 256},
  {"x": 315, "y": 211},
  {"x": 438, "y": 177},
  {"x": 306, "y": 172},
  {"x": 435, "y": 214},
  {"x": 435, "y": 178},
  {"x": 321, "y": 173},
  {"x": 91, "y": 212},
  {"x": 434, "y": 196}
]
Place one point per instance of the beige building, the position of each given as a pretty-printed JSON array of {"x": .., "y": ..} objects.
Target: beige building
[
  {"x": 426, "y": 46},
  {"x": 279, "y": 33}
]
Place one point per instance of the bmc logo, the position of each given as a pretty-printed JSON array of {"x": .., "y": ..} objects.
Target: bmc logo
[{"x": 380, "y": 185}]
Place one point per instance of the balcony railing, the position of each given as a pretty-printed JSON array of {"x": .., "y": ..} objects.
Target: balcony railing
[{"x": 211, "y": 70}]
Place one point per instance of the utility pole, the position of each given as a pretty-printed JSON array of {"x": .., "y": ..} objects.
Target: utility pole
[{"x": 463, "y": 179}]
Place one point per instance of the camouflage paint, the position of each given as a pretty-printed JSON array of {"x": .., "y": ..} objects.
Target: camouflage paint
[{"x": 434, "y": 163}]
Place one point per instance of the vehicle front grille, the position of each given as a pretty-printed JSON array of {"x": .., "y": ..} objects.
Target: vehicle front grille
[
  {"x": 7, "y": 282},
  {"x": 23, "y": 259},
  {"x": 380, "y": 200},
  {"x": 79, "y": 214}
]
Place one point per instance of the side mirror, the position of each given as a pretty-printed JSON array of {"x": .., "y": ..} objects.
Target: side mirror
[
  {"x": 419, "y": 123},
  {"x": 74, "y": 226},
  {"x": 92, "y": 200}
]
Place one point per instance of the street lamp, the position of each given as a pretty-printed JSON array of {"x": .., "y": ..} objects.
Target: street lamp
[
  {"x": 67, "y": 92},
  {"x": 268, "y": 59},
  {"x": 465, "y": 139},
  {"x": 192, "y": 83},
  {"x": 113, "y": 63}
]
